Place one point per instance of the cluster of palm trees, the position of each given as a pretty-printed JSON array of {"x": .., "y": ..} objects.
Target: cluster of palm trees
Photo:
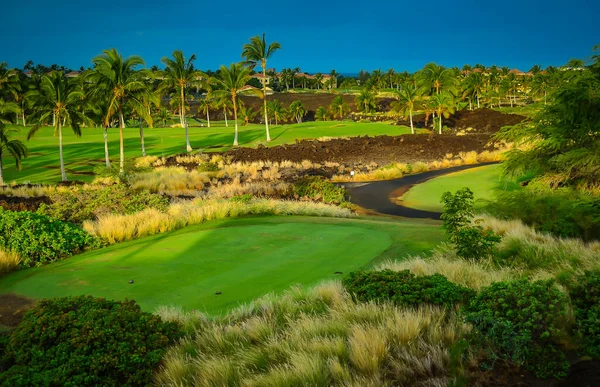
[{"x": 115, "y": 90}]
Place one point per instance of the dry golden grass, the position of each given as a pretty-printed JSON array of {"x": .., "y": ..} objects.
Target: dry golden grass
[
  {"x": 172, "y": 181},
  {"x": 9, "y": 261},
  {"x": 314, "y": 337},
  {"x": 114, "y": 228}
]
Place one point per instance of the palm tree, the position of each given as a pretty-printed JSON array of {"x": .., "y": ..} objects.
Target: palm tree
[
  {"x": 474, "y": 86},
  {"x": 179, "y": 74},
  {"x": 205, "y": 105},
  {"x": 246, "y": 113},
  {"x": 14, "y": 147},
  {"x": 540, "y": 85},
  {"x": 321, "y": 114},
  {"x": 163, "y": 115},
  {"x": 9, "y": 81},
  {"x": 117, "y": 78},
  {"x": 297, "y": 110},
  {"x": 333, "y": 74},
  {"x": 232, "y": 79},
  {"x": 391, "y": 73},
  {"x": 257, "y": 51},
  {"x": 319, "y": 80},
  {"x": 339, "y": 107},
  {"x": 438, "y": 77},
  {"x": 443, "y": 105},
  {"x": 366, "y": 100},
  {"x": 224, "y": 102},
  {"x": 275, "y": 109},
  {"x": 59, "y": 98},
  {"x": 408, "y": 97}
]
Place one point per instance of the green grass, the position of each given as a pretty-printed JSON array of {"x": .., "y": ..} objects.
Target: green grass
[
  {"x": 483, "y": 181},
  {"x": 83, "y": 154},
  {"x": 528, "y": 110},
  {"x": 242, "y": 258}
]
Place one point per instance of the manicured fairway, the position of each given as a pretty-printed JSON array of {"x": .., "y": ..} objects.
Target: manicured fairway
[
  {"x": 84, "y": 153},
  {"x": 242, "y": 258},
  {"x": 483, "y": 181}
]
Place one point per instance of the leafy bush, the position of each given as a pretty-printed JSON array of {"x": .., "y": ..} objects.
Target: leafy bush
[
  {"x": 207, "y": 166},
  {"x": 404, "y": 288},
  {"x": 563, "y": 212},
  {"x": 585, "y": 296},
  {"x": 77, "y": 341},
  {"x": 317, "y": 188},
  {"x": 79, "y": 204},
  {"x": 39, "y": 239},
  {"x": 520, "y": 319},
  {"x": 471, "y": 241},
  {"x": 245, "y": 198}
]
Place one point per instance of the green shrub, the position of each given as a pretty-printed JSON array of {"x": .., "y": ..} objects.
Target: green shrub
[
  {"x": 39, "y": 239},
  {"x": 84, "y": 341},
  {"x": 207, "y": 166},
  {"x": 317, "y": 188},
  {"x": 404, "y": 288},
  {"x": 79, "y": 204},
  {"x": 245, "y": 198},
  {"x": 520, "y": 319},
  {"x": 471, "y": 241},
  {"x": 585, "y": 297},
  {"x": 562, "y": 212}
]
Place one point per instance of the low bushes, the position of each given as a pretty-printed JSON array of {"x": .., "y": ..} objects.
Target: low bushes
[
  {"x": 39, "y": 239},
  {"x": 522, "y": 322},
  {"x": 317, "y": 188},
  {"x": 79, "y": 204},
  {"x": 405, "y": 289},
  {"x": 76, "y": 341},
  {"x": 585, "y": 296}
]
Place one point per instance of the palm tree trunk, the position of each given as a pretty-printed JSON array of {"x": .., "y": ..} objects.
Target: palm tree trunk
[
  {"x": 440, "y": 119},
  {"x": 235, "y": 137},
  {"x": 208, "y": 116},
  {"x": 24, "y": 118},
  {"x": 1, "y": 174},
  {"x": 142, "y": 137},
  {"x": 225, "y": 113},
  {"x": 63, "y": 174},
  {"x": 412, "y": 128},
  {"x": 121, "y": 141},
  {"x": 478, "y": 101},
  {"x": 265, "y": 101},
  {"x": 188, "y": 147},
  {"x": 106, "y": 147}
]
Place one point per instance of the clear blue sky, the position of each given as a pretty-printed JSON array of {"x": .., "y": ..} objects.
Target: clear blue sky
[{"x": 315, "y": 35}]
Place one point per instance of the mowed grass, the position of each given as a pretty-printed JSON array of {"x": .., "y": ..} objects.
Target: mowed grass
[
  {"x": 483, "y": 181},
  {"x": 83, "y": 154},
  {"x": 242, "y": 258}
]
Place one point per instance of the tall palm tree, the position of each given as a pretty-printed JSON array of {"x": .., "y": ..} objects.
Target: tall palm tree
[
  {"x": 257, "y": 51},
  {"x": 13, "y": 147},
  {"x": 62, "y": 99},
  {"x": 437, "y": 77},
  {"x": 232, "y": 79},
  {"x": 9, "y": 81},
  {"x": 333, "y": 74},
  {"x": 319, "y": 80},
  {"x": 205, "y": 105},
  {"x": 180, "y": 74},
  {"x": 118, "y": 79},
  {"x": 366, "y": 100},
  {"x": 408, "y": 97},
  {"x": 474, "y": 86},
  {"x": 224, "y": 102},
  {"x": 443, "y": 105}
]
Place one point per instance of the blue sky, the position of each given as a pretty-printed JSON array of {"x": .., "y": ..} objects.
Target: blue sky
[{"x": 315, "y": 35}]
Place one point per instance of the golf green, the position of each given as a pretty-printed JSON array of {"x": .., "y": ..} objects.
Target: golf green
[
  {"x": 242, "y": 259},
  {"x": 483, "y": 181}
]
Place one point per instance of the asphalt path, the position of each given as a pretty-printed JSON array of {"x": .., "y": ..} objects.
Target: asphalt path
[{"x": 378, "y": 196}]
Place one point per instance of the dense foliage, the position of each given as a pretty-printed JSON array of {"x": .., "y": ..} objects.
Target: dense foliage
[
  {"x": 562, "y": 212},
  {"x": 79, "y": 204},
  {"x": 404, "y": 288},
  {"x": 317, "y": 188},
  {"x": 39, "y": 239},
  {"x": 564, "y": 138},
  {"x": 77, "y": 341},
  {"x": 471, "y": 240},
  {"x": 585, "y": 297},
  {"x": 521, "y": 320}
]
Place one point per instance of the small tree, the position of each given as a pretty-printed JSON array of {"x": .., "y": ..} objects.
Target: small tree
[
  {"x": 297, "y": 110},
  {"x": 471, "y": 241},
  {"x": 339, "y": 107},
  {"x": 14, "y": 147}
]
